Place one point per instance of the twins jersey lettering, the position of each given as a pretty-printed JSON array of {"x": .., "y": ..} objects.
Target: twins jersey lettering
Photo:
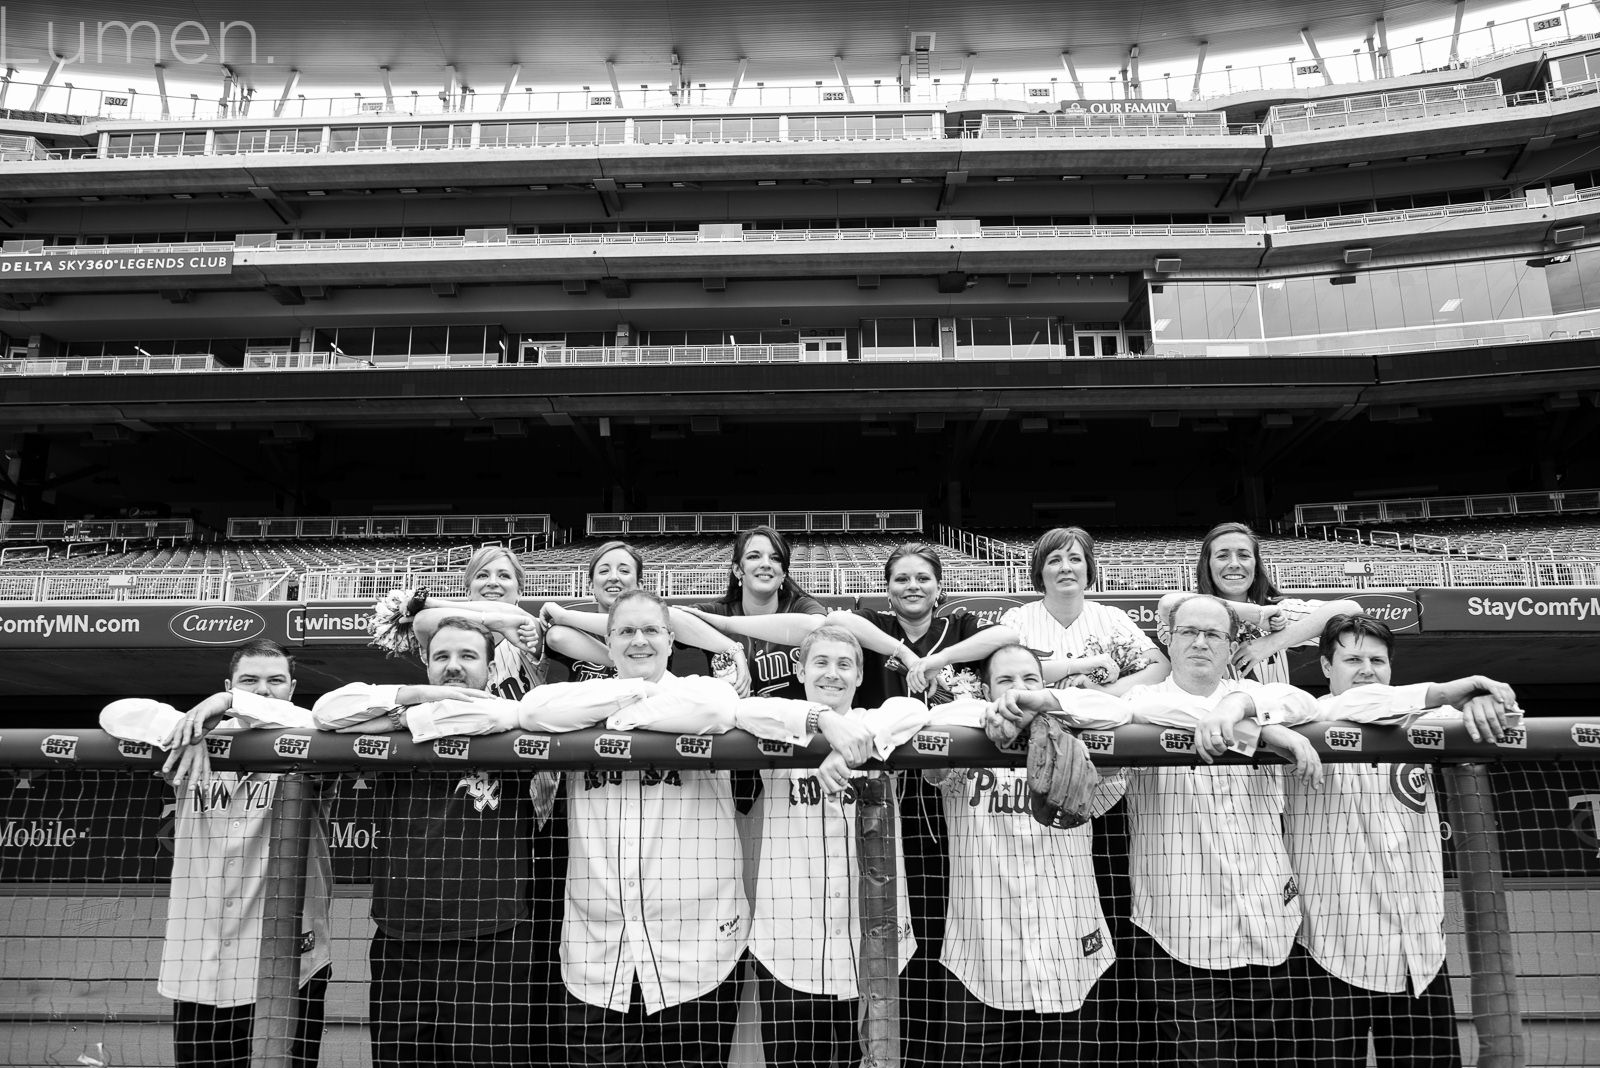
[
  {"x": 1207, "y": 860},
  {"x": 508, "y": 673},
  {"x": 1276, "y": 668},
  {"x": 1038, "y": 630},
  {"x": 1366, "y": 847},
  {"x": 807, "y": 929}
]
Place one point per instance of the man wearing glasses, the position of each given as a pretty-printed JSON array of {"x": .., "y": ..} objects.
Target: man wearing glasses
[
  {"x": 656, "y": 917},
  {"x": 1212, "y": 884}
]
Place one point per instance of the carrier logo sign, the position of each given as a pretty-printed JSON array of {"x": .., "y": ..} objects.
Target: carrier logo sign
[
  {"x": 452, "y": 748},
  {"x": 372, "y": 746},
  {"x": 1425, "y": 737},
  {"x": 695, "y": 745},
  {"x": 934, "y": 743},
  {"x": 615, "y": 746},
  {"x": 533, "y": 747},
  {"x": 1099, "y": 742},
  {"x": 1343, "y": 739},
  {"x": 60, "y": 746},
  {"x": 135, "y": 750},
  {"x": 768, "y": 747},
  {"x": 297, "y": 746},
  {"x": 219, "y": 746},
  {"x": 1174, "y": 741},
  {"x": 1586, "y": 735},
  {"x": 217, "y": 624}
]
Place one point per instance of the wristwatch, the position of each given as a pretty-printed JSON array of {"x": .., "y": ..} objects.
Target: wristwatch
[{"x": 397, "y": 717}]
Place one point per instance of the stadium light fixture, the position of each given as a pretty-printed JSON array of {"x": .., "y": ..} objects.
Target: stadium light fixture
[
  {"x": 1358, "y": 255},
  {"x": 1342, "y": 280}
]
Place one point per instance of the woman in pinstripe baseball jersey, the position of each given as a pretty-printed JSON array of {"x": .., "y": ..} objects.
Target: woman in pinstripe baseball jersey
[
  {"x": 1081, "y": 642},
  {"x": 1230, "y": 567}
]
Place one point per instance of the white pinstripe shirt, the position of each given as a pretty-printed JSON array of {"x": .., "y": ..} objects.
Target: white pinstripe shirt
[
  {"x": 1211, "y": 877},
  {"x": 1366, "y": 848}
]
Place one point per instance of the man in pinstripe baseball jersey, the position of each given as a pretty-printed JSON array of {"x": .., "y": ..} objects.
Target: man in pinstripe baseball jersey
[
  {"x": 1370, "y": 959},
  {"x": 1212, "y": 885}
]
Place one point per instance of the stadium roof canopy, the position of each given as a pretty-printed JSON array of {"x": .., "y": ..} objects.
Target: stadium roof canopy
[{"x": 342, "y": 45}]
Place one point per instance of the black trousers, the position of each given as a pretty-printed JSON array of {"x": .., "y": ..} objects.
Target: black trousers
[
  {"x": 693, "y": 1034},
  {"x": 204, "y": 1036},
  {"x": 1217, "y": 1017},
  {"x": 462, "y": 1002},
  {"x": 977, "y": 1034},
  {"x": 809, "y": 1030},
  {"x": 1332, "y": 1020}
]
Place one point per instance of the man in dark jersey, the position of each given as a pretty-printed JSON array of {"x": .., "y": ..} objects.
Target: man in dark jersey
[{"x": 460, "y": 974}]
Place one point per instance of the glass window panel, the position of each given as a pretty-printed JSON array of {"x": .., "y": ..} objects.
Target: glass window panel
[
  {"x": 391, "y": 340},
  {"x": 372, "y": 138},
  {"x": 704, "y": 337},
  {"x": 405, "y": 136},
  {"x": 1444, "y": 295},
  {"x": 1274, "y": 298},
  {"x": 194, "y": 143},
  {"x": 1192, "y": 311},
  {"x": 468, "y": 339},
  {"x": 436, "y": 137},
  {"x": 858, "y": 127},
  {"x": 1359, "y": 313},
  {"x": 169, "y": 144},
  {"x": 1564, "y": 282},
  {"x": 896, "y": 333},
  {"x": 1085, "y": 344},
  {"x": 429, "y": 340},
  {"x": 1588, "y": 266},
  {"x": 612, "y": 132},
  {"x": 355, "y": 340},
  {"x": 780, "y": 337},
  {"x": 341, "y": 139},
  {"x": 802, "y": 127},
  {"x": 1108, "y": 344},
  {"x": 1415, "y": 300},
  {"x": 1472, "y": 287},
  {"x": 143, "y": 144},
  {"x": 1571, "y": 69},
  {"x": 831, "y": 127},
  {"x": 1164, "y": 316},
  {"x": 522, "y": 133},
  {"x": 1387, "y": 313},
  {"x": 118, "y": 144},
  {"x": 1533, "y": 288},
  {"x": 736, "y": 129},
  {"x": 995, "y": 331},
  {"x": 705, "y": 130},
  {"x": 764, "y": 129},
  {"x": 1030, "y": 337},
  {"x": 1302, "y": 303}
]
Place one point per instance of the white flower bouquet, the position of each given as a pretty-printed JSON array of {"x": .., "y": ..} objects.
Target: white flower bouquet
[{"x": 392, "y": 622}]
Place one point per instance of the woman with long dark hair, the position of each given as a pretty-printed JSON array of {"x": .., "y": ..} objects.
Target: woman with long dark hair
[{"x": 1230, "y": 567}]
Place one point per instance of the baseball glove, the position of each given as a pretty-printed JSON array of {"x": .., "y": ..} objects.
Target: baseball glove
[{"x": 1061, "y": 777}]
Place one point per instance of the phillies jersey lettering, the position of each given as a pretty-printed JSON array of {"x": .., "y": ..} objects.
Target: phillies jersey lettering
[{"x": 986, "y": 790}]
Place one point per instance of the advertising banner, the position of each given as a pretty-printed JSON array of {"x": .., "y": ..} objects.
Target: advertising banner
[
  {"x": 1560, "y": 609},
  {"x": 132, "y": 625},
  {"x": 110, "y": 264}
]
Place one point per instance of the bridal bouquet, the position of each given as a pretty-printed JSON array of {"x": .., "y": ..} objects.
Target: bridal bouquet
[
  {"x": 392, "y": 621},
  {"x": 1121, "y": 648}
]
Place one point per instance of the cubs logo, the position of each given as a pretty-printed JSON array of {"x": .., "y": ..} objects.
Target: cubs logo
[
  {"x": 295, "y": 746},
  {"x": 1093, "y": 942},
  {"x": 533, "y": 747},
  {"x": 481, "y": 790},
  {"x": 1514, "y": 739},
  {"x": 135, "y": 749},
  {"x": 615, "y": 746},
  {"x": 1409, "y": 784},
  {"x": 1425, "y": 737},
  {"x": 452, "y": 748},
  {"x": 1175, "y": 741},
  {"x": 935, "y": 743},
  {"x": 1099, "y": 742},
  {"x": 1343, "y": 739},
  {"x": 60, "y": 746},
  {"x": 695, "y": 745},
  {"x": 768, "y": 747},
  {"x": 1586, "y": 735},
  {"x": 372, "y": 746}
]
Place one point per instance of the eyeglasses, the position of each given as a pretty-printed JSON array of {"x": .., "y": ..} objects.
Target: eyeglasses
[
  {"x": 650, "y": 633},
  {"x": 1189, "y": 634}
]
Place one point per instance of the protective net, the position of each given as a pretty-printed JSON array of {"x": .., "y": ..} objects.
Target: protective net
[{"x": 653, "y": 910}]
